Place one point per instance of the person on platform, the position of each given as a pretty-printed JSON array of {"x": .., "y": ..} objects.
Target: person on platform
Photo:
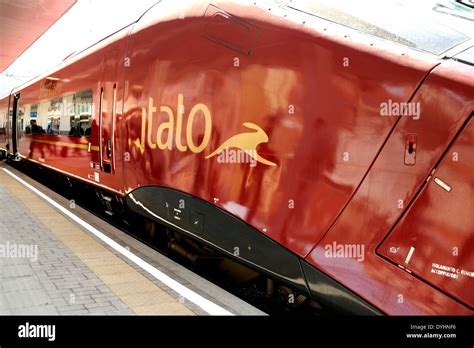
[{"x": 33, "y": 128}]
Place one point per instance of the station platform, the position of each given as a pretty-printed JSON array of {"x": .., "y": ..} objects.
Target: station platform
[{"x": 59, "y": 259}]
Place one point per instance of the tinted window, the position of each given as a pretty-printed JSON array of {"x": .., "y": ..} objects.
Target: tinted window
[
  {"x": 80, "y": 117},
  {"x": 28, "y": 119},
  {"x": 420, "y": 25},
  {"x": 69, "y": 115}
]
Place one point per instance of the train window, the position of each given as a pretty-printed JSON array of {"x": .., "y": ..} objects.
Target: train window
[
  {"x": 3, "y": 131},
  {"x": 21, "y": 118},
  {"x": 20, "y": 114},
  {"x": 40, "y": 121},
  {"x": 25, "y": 123},
  {"x": 48, "y": 118},
  {"x": 70, "y": 115},
  {"x": 31, "y": 115},
  {"x": 420, "y": 25},
  {"x": 80, "y": 114}
]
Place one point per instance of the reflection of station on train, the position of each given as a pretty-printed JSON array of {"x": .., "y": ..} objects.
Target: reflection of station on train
[
  {"x": 70, "y": 115},
  {"x": 306, "y": 156},
  {"x": 55, "y": 260}
]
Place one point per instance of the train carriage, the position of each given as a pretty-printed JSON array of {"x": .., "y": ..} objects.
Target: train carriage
[{"x": 330, "y": 152}]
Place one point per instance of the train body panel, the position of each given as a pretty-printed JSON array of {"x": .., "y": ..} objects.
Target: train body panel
[
  {"x": 315, "y": 112},
  {"x": 392, "y": 187},
  {"x": 278, "y": 127},
  {"x": 58, "y": 123}
]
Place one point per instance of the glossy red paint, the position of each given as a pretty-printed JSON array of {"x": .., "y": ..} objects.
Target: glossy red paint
[
  {"x": 429, "y": 225},
  {"x": 334, "y": 114},
  {"x": 429, "y": 230},
  {"x": 101, "y": 70},
  {"x": 179, "y": 83}
]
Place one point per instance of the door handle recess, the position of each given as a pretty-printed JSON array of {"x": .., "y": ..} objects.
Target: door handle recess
[{"x": 410, "y": 149}]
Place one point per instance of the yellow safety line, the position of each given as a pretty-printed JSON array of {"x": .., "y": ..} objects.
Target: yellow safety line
[{"x": 140, "y": 294}]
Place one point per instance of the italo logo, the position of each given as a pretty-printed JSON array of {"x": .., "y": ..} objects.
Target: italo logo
[{"x": 169, "y": 133}]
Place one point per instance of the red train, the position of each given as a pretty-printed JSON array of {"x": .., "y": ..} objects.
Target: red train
[{"x": 328, "y": 151}]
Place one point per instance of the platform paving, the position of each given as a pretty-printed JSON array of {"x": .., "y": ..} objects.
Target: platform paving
[{"x": 49, "y": 265}]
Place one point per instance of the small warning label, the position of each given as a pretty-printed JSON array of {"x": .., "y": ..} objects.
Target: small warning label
[{"x": 450, "y": 272}]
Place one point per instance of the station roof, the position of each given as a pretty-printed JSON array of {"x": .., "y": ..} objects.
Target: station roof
[{"x": 22, "y": 22}]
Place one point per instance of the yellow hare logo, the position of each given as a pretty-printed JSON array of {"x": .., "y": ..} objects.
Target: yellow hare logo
[{"x": 246, "y": 143}]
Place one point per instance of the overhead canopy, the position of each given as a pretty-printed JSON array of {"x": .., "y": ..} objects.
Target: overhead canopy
[{"x": 22, "y": 22}]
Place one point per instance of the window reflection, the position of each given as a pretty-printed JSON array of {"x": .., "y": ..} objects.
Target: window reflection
[{"x": 69, "y": 115}]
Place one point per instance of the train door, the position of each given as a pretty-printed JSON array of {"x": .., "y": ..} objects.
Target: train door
[
  {"x": 6, "y": 127},
  {"x": 107, "y": 113},
  {"x": 3, "y": 131},
  {"x": 13, "y": 108},
  {"x": 9, "y": 122},
  {"x": 435, "y": 237}
]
